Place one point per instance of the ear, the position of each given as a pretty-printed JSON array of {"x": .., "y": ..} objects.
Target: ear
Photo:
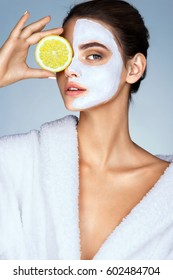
[{"x": 135, "y": 68}]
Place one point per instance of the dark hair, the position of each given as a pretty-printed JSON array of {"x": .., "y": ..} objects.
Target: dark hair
[{"x": 127, "y": 23}]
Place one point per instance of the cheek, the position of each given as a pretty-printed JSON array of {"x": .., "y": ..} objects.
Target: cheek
[
  {"x": 104, "y": 77},
  {"x": 60, "y": 78},
  {"x": 100, "y": 76}
]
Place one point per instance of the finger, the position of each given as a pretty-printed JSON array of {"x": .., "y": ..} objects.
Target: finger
[
  {"x": 39, "y": 73},
  {"x": 20, "y": 25},
  {"x": 35, "y": 27},
  {"x": 35, "y": 38}
]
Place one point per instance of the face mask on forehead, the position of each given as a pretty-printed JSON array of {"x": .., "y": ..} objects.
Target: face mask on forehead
[{"x": 101, "y": 81}]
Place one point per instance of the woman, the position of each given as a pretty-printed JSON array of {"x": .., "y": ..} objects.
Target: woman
[{"x": 81, "y": 189}]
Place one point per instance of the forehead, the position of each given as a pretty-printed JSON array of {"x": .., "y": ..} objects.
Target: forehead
[{"x": 79, "y": 31}]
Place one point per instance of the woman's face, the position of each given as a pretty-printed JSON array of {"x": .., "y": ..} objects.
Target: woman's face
[{"x": 94, "y": 74}]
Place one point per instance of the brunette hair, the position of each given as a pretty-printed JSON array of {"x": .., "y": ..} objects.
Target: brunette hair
[{"x": 125, "y": 20}]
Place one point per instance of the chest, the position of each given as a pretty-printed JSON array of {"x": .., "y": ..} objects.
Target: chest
[{"x": 104, "y": 200}]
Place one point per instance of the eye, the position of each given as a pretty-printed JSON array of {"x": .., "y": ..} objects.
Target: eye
[{"x": 94, "y": 57}]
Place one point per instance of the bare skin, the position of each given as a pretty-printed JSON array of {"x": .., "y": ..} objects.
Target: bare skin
[{"x": 115, "y": 173}]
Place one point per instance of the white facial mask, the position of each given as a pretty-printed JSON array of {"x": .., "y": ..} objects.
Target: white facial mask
[{"x": 101, "y": 81}]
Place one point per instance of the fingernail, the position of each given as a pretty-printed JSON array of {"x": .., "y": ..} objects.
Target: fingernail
[
  {"x": 52, "y": 78},
  {"x": 25, "y": 12}
]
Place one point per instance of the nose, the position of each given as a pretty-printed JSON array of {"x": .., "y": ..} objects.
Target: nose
[
  {"x": 72, "y": 71},
  {"x": 69, "y": 73}
]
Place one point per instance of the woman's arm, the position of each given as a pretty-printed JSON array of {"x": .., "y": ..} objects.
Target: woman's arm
[{"x": 13, "y": 53}]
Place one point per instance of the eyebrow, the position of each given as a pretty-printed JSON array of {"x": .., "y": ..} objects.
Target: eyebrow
[{"x": 92, "y": 44}]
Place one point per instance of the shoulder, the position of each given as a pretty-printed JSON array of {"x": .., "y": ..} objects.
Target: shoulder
[
  {"x": 168, "y": 158},
  {"x": 65, "y": 123},
  {"x": 23, "y": 141},
  {"x": 151, "y": 168},
  {"x": 18, "y": 148},
  {"x": 59, "y": 134},
  {"x": 160, "y": 170},
  {"x": 14, "y": 147}
]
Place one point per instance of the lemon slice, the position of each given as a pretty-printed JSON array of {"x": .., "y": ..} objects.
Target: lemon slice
[{"x": 53, "y": 53}]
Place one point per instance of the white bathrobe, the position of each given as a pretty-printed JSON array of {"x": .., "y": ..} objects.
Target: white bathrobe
[{"x": 39, "y": 217}]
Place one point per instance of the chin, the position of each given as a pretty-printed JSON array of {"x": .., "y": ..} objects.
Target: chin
[{"x": 69, "y": 107}]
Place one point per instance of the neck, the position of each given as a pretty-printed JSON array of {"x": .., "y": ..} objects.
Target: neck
[{"x": 103, "y": 133}]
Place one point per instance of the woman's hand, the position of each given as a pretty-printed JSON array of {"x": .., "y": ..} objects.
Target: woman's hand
[{"x": 13, "y": 54}]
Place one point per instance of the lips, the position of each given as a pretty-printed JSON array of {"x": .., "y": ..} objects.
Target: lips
[{"x": 74, "y": 89}]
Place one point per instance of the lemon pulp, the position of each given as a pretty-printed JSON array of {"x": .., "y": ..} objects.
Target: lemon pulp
[{"x": 53, "y": 53}]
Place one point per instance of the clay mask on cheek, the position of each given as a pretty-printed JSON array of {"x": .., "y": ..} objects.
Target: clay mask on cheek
[{"x": 101, "y": 81}]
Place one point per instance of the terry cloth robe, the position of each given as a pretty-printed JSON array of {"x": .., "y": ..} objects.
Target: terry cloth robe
[{"x": 39, "y": 187}]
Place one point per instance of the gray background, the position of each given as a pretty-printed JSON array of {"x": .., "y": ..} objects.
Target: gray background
[{"x": 27, "y": 104}]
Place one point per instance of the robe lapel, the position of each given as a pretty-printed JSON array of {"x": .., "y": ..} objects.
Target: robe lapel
[{"x": 60, "y": 181}]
